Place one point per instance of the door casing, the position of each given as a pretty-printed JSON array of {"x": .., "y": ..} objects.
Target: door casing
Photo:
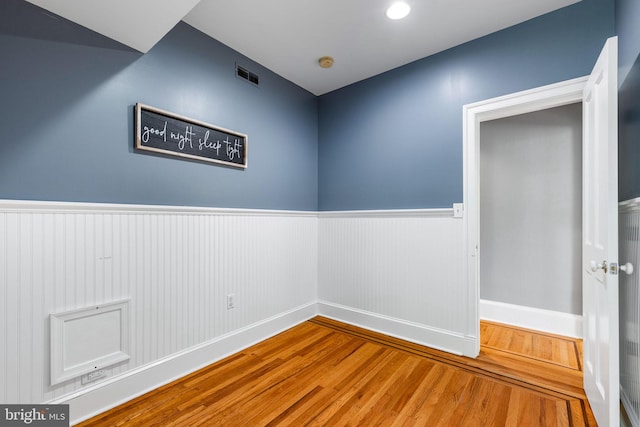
[{"x": 555, "y": 95}]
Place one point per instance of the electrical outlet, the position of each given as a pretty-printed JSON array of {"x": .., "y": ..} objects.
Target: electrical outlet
[
  {"x": 93, "y": 376},
  {"x": 458, "y": 210},
  {"x": 231, "y": 301}
]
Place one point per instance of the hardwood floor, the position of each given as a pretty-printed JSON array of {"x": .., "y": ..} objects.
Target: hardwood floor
[
  {"x": 326, "y": 373},
  {"x": 554, "y": 349}
]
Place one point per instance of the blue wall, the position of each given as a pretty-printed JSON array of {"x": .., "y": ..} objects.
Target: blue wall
[
  {"x": 629, "y": 135},
  {"x": 67, "y": 119},
  {"x": 395, "y": 140},
  {"x": 628, "y": 30}
]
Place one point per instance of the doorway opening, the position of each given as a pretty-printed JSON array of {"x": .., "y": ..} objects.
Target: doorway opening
[
  {"x": 535, "y": 100},
  {"x": 530, "y": 213},
  {"x": 598, "y": 93}
]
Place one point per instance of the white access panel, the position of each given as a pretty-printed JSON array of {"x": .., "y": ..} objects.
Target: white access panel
[{"x": 88, "y": 339}]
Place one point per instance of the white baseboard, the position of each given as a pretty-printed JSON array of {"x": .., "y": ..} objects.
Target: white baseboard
[
  {"x": 554, "y": 322},
  {"x": 417, "y": 333},
  {"x": 93, "y": 400},
  {"x": 98, "y": 398}
]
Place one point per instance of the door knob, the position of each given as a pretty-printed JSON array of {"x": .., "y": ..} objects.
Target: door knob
[
  {"x": 595, "y": 266},
  {"x": 627, "y": 268}
]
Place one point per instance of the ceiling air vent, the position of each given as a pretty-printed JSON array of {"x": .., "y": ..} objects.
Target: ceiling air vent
[{"x": 247, "y": 75}]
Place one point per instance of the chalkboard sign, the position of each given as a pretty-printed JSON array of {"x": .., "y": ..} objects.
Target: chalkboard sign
[{"x": 163, "y": 132}]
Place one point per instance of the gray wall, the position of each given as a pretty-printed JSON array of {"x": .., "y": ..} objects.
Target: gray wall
[{"x": 530, "y": 209}]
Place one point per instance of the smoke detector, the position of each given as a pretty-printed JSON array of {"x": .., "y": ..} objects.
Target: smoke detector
[{"x": 326, "y": 62}]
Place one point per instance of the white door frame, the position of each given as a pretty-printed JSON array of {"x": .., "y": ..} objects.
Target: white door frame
[{"x": 542, "y": 98}]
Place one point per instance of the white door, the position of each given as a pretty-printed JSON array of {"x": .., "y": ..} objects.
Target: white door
[{"x": 600, "y": 237}]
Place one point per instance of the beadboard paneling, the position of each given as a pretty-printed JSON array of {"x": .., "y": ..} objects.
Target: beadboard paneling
[
  {"x": 629, "y": 224},
  {"x": 404, "y": 266},
  {"x": 176, "y": 264}
]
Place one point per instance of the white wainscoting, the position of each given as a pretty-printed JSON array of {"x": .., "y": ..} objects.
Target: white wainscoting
[
  {"x": 398, "y": 272},
  {"x": 629, "y": 242},
  {"x": 177, "y": 265}
]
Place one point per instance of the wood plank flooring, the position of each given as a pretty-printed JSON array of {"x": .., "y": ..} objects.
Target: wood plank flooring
[
  {"x": 540, "y": 346},
  {"x": 327, "y": 373}
]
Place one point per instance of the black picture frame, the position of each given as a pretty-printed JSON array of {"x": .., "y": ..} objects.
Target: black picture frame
[{"x": 168, "y": 133}]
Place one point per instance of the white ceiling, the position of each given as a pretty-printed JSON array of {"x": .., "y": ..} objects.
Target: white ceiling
[{"x": 289, "y": 36}]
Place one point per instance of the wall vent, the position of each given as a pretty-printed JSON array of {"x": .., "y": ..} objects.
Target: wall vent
[{"x": 247, "y": 75}]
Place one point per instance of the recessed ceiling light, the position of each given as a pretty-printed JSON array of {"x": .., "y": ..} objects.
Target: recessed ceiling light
[{"x": 398, "y": 10}]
